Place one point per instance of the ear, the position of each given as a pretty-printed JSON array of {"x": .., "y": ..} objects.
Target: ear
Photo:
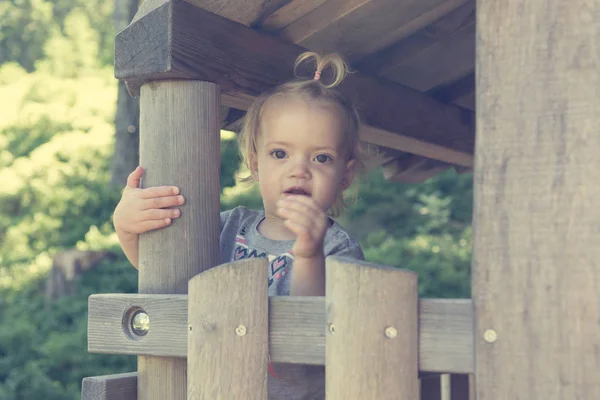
[
  {"x": 254, "y": 166},
  {"x": 349, "y": 173}
]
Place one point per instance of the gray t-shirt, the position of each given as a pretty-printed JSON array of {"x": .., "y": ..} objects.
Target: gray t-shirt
[{"x": 240, "y": 239}]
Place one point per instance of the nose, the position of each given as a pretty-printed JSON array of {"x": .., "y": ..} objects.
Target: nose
[{"x": 300, "y": 169}]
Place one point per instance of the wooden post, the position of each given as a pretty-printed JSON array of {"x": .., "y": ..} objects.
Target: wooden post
[
  {"x": 179, "y": 145},
  {"x": 372, "y": 332},
  {"x": 536, "y": 258},
  {"x": 228, "y": 334}
]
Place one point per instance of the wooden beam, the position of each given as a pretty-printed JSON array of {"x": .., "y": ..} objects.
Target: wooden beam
[
  {"x": 536, "y": 259},
  {"x": 455, "y": 90},
  {"x": 180, "y": 41},
  {"x": 110, "y": 387},
  {"x": 357, "y": 28},
  {"x": 296, "y": 329}
]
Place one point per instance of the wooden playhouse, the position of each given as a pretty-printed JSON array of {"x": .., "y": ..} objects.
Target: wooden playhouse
[{"x": 521, "y": 77}]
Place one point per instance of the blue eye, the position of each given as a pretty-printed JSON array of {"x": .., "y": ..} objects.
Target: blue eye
[
  {"x": 322, "y": 158},
  {"x": 279, "y": 154}
]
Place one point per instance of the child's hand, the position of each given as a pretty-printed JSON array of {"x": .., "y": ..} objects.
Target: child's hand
[
  {"x": 303, "y": 217},
  {"x": 142, "y": 210}
]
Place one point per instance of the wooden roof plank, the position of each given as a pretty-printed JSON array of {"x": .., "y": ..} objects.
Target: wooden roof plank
[
  {"x": 245, "y": 12},
  {"x": 333, "y": 25},
  {"x": 289, "y": 13},
  {"x": 176, "y": 41},
  {"x": 441, "y": 63}
]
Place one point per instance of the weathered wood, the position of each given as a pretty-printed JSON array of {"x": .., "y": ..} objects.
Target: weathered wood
[
  {"x": 177, "y": 41},
  {"x": 372, "y": 339},
  {"x": 442, "y": 62},
  {"x": 228, "y": 349},
  {"x": 289, "y": 13},
  {"x": 536, "y": 259},
  {"x": 179, "y": 145},
  {"x": 297, "y": 329},
  {"x": 247, "y": 12},
  {"x": 333, "y": 25},
  {"x": 110, "y": 387}
]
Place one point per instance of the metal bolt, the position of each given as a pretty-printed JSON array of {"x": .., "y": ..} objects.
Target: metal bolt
[
  {"x": 490, "y": 336},
  {"x": 140, "y": 323},
  {"x": 331, "y": 328},
  {"x": 391, "y": 332},
  {"x": 240, "y": 330},
  {"x": 131, "y": 128}
]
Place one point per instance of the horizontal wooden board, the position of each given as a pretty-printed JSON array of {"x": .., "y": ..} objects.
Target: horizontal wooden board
[{"x": 296, "y": 334}]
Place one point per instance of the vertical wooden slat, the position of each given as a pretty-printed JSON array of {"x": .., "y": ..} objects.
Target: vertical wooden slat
[
  {"x": 179, "y": 145},
  {"x": 371, "y": 342},
  {"x": 228, "y": 332},
  {"x": 536, "y": 258}
]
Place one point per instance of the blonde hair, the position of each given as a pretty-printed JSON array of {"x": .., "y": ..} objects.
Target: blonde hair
[{"x": 313, "y": 88}]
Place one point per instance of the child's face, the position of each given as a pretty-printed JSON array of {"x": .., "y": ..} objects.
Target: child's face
[{"x": 301, "y": 150}]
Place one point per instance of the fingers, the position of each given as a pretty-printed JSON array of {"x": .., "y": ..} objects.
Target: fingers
[
  {"x": 154, "y": 214},
  {"x": 153, "y": 224},
  {"x": 134, "y": 178},
  {"x": 159, "y": 191},
  {"x": 162, "y": 202}
]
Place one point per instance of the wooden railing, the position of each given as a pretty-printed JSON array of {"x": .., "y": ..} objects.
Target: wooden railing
[{"x": 370, "y": 325}]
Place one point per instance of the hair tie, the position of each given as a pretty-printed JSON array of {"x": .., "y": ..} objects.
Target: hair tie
[{"x": 317, "y": 75}]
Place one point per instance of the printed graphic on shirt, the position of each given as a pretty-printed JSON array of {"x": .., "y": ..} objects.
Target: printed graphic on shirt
[{"x": 278, "y": 264}]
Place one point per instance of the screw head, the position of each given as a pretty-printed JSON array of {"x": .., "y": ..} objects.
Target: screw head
[
  {"x": 391, "y": 332},
  {"x": 331, "y": 328},
  {"x": 140, "y": 323},
  {"x": 240, "y": 330},
  {"x": 490, "y": 336}
]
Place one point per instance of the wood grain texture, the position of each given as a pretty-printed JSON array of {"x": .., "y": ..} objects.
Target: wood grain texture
[
  {"x": 110, "y": 387},
  {"x": 536, "y": 259},
  {"x": 296, "y": 335},
  {"x": 228, "y": 332},
  {"x": 179, "y": 145},
  {"x": 245, "y": 63},
  {"x": 289, "y": 13},
  {"x": 357, "y": 28},
  {"x": 364, "y": 360},
  {"x": 441, "y": 63}
]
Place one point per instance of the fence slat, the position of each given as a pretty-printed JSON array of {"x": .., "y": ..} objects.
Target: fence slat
[
  {"x": 228, "y": 332},
  {"x": 110, "y": 387},
  {"x": 297, "y": 329},
  {"x": 372, "y": 339}
]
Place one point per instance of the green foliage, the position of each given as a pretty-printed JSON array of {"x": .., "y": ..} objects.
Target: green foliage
[{"x": 31, "y": 29}]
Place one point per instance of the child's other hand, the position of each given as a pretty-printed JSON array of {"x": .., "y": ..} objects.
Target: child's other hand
[
  {"x": 142, "y": 210},
  {"x": 304, "y": 218}
]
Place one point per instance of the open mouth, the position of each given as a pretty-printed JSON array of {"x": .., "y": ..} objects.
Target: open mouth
[{"x": 297, "y": 191}]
